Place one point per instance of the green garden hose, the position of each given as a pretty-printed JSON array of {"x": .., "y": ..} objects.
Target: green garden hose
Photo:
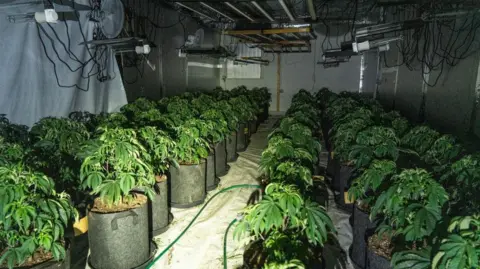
[
  {"x": 225, "y": 240},
  {"x": 196, "y": 216}
]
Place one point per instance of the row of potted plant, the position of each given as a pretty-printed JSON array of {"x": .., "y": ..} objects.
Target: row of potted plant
[
  {"x": 412, "y": 187},
  {"x": 122, "y": 169},
  {"x": 289, "y": 227}
]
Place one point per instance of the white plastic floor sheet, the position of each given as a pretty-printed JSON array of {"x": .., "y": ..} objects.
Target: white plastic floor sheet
[{"x": 201, "y": 247}]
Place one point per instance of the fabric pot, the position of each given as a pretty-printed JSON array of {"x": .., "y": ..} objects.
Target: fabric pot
[
  {"x": 358, "y": 250},
  {"x": 375, "y": 261},
  {"x": 187, "y": 185},
  {"x": 120, "y": 239},
  {"x": 221, "y": 167},
  {"x": 211, "y": 179},
  {"x": 232, "y": 147},
  {"x": 341, "y": 177},
  {"x": 266, "y": 108},
  {"x": 159, "y": 212},
  {"x": 51, "y": 264},
  {"x": 252, "y": 127},
  {"x": 331, "y": 166},
  {"x": 242, "y": 137}
]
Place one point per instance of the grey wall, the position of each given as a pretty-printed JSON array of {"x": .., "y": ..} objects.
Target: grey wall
[
  {"x": 301, "y": 71},
  {"x": 449, "y": 105},
  {"x": 172, "y": 76}
]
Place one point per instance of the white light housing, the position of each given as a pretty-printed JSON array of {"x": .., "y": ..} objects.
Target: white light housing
[
  {"x": 145, "y": 49},
  {"x": 359, "y": 47},
  {"x": 49, "y": 16}
]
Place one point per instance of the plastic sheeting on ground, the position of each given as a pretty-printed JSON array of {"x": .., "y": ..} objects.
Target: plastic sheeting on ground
[
  {"x": 202, "y": 245},
  {"x": 28, "y": 85}
]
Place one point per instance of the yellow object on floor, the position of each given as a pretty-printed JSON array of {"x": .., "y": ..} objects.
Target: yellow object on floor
[
  {"x": 81, "y": 226},
  {"x": 347, "y": 199}
]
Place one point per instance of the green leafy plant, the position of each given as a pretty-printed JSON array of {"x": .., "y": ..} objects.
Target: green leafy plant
[
  {"x": 111, "y": 120},
  {"x": 282, "y": 220},
  {"x": 345, "y": 134},
  {"x": 462, "y": 179},
  {"x": 461, "y": 249},
  {"x": 369, "y": 184},
  {"x": 191, "y": 147},
  {"x": 219, "y": 126},
  {"x": 375, "y": 142},
  {"x": 283, "y": 162},
  {"x": 442, "y": 152},
  {"x": 132, "y": 110},
  {"x": 202, "y": 103},
  {"x": 114, "y": 164},
  {"x": 13, "y": 133},
  {"x": 243, "y": 109},
  {"x": 11, "y": 153},
  {"x": 228, "y": 113},
  {"x": 33, "y": 217},
  {"x": 407, "y": 259},
  {"x": 412, "y": 205},
  {"x": 160, "y": 147},
  {"x": 56, "y": 143},
  {"x": 420, "y": 139}
]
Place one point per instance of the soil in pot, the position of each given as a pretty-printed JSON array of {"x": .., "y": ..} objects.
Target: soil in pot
[
  {"x": 187, "y": 185},
  {"x": 360, "y": 223},
  {"x": 42, "y": 260},
  {"x": 242, "y": 137},
  {"x": 119, "y": 235},
  {"x": 379, "y": 252},
  {"x": 232, "y": 147},
  {"x": 221, "y": 167},
  {"x": 211, "y": 179}
]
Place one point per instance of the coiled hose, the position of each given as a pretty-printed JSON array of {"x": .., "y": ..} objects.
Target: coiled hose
[{"x": 195, "y": 218}]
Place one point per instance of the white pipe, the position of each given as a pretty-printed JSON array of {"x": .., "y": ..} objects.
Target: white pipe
[
  {"x": 217, "y": 11},
  {"x": 193, "y": 10},
  {"x": 239, "y": 11},
  {"x": 284, "y": 6},
  {"x": 311, "y": 10},
  {"x": 262, "y": 11}
]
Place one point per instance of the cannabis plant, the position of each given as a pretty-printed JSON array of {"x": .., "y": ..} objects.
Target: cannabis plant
[
  {"x": 283, "y": 162},
  {"x": 442, "y": 152},
  {"x": 420, "y": 139},
  {"x": 56, "y": 143},
  {"x": 345, "y": 134},
  {"x": 190, "y": 147},
  {"x": 13, "y": 133},
  {"x": 33, "y": 217},
  {"x": 375, "y": 142},
  {"x": 300, "y": 135},
  {"x": 11, "y": 153},
  {"x": 219, "y": 125},
  {"x": 202, "y": 103},
  {"x": 132, "y": 110},
  {"x": 112, "y": 120},
  {"x": 462, "y": 180},
  {"x": 160, "y": 147},
  {"x": 286, "y": 224},
  {"x": 86, "y": 118},
  {"x": 228, "y": 113},
  {"x": 180, "y": 111},
  {"x": 114, "y": 164},
  {"x": 303, "y": 97},
  {"x": 243, "y": 109},
  {"x": 340, "y": 107},
  {"x": 372, "y": 181},
  {"x": 461, "y": 248},
  {"x": 412, "y": 205}
]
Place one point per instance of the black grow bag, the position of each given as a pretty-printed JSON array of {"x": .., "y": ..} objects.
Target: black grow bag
[
  {"x": 211, "y": 179},
  {"x": 187, "y": 185},
  {"x": 358, "y": 250},
  {"x": 119, "y": 240},
  {"x": 341, "y": 177},
  {"x": 159, "y": 211},
  {"x": 375, "y": 261},
  {"x": 221, "y": 167},
  {"x": 232, "y": 147},
  {"x": 252, "y": 127},
  {"x": 51, "y": 264},
  {"x": 242, "y": 137}
]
